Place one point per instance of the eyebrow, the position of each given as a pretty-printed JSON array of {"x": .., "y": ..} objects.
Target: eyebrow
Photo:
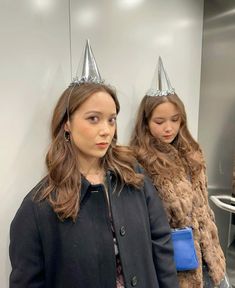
[
  {"x": 164, "y": 117},
  {"x": 98, "y": 112}
]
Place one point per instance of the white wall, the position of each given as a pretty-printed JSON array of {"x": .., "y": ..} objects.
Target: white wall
[
  {"x": 126, "y": 36},
  {"x": 129, "y": 35}
]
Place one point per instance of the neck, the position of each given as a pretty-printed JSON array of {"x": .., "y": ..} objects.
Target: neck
[
  {"x": 88, "y": 165},
  {"x": 92, "y": 171},
  {"x": 96, "y": 177}
]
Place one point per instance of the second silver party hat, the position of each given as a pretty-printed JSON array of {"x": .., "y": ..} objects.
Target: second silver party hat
[
  {"x": 161, "y": 85},
  {"x": 90, "y": 72}
]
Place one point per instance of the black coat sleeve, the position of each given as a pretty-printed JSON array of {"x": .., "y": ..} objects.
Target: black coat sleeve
[
  {"x": 25, "y": 249},
  {"x": 161, "y": 239}
]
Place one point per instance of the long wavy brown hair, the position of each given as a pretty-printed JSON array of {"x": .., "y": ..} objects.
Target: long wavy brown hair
[
  {"x": 158, "y": 157},
  {"x": 63, "y": 183}
]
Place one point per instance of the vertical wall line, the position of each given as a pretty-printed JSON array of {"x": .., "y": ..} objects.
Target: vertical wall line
[{"x": 70, "y": 39}]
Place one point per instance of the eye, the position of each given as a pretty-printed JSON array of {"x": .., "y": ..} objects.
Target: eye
[
  {"x": 93, "y": 119},
  {"x": 159, "y": 122},
  {"x": 113, "y": 120},
  {"x": 175, "y": 119}
]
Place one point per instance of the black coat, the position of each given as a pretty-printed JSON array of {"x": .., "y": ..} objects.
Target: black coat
[{"x": 48, "y": 253}]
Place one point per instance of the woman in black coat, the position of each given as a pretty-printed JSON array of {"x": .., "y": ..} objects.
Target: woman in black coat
[{"x": 95, "y": 221}]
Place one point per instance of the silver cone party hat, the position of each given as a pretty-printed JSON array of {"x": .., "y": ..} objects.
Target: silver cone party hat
[
  {"x": 161, "y": 85},
  {"x": 90, "y": 72}
]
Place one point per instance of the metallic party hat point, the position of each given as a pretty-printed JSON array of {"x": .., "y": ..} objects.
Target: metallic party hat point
[
  {"x": 162, "y": 82},
  {"x": 90, "y": 72}
]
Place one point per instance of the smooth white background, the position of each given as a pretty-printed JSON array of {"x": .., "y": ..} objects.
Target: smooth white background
[{"x": 40, "y": 50}]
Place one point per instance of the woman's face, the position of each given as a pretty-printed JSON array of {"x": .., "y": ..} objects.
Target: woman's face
[
  {"x": 164, "y": 123},
  {"x": 93, "y": 126}
]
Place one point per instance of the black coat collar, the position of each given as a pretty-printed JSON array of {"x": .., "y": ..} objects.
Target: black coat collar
[{"x": 86, "y": 185}]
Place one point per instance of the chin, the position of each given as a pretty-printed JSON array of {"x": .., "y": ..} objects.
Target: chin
[
  {"x": 101, "y": 154},
  {"x": 167, "y": 141}
]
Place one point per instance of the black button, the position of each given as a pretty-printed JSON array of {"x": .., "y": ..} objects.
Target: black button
[
  {"x": 122, "y": 231},
  {"x": 134, "y": 281}
]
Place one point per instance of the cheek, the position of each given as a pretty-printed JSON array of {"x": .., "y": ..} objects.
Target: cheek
[
  {"x": 113, "y": 130},
  {"x": 83, "y": 133},
  {"x": 86, "y": 130},
  {"x": 177, "y": 127},
  {"x": 155, "y": 130}
]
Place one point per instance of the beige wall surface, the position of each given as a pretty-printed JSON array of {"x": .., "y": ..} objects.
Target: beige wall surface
[{"x": 41, "y": 45}]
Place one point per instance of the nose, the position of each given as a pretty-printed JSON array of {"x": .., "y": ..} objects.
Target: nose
[
  {"x": 104, "y": 129},
  {"x": 168, "y": 127}
]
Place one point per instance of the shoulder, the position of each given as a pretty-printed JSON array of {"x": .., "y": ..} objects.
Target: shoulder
[
  {"x": 27, "y": 210},
  {"x": 36, "y": 190},
  {"x": 139, "y": 169},
  {"x": 198, "y": 156},
  {"x": 148, "y": 186}
]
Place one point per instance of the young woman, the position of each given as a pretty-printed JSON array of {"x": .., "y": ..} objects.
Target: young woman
[
  {"x": 175, "y": 163},
  {"x": 94, "y": 220}
]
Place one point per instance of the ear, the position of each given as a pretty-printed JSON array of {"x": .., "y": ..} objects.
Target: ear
[{"x": 67, "y": 126}]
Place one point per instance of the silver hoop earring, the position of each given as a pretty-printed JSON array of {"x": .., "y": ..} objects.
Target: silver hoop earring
[{"x": 66, "y": 136}]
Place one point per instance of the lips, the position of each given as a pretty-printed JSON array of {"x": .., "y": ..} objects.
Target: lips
[{"x": 102, "y": 145}]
